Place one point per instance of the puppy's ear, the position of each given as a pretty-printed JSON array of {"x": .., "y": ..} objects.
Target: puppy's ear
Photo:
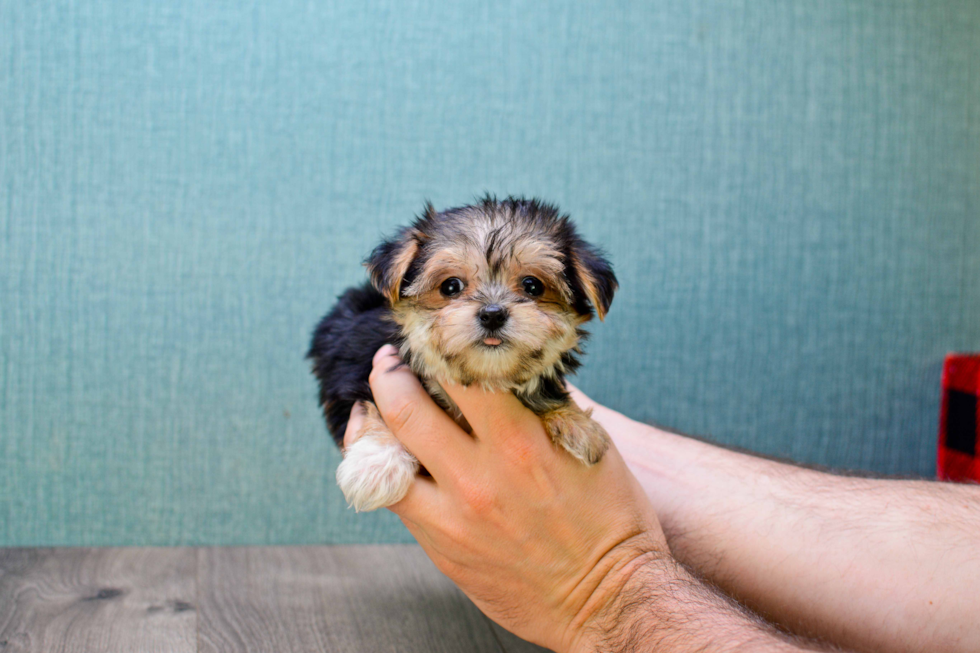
[
  {"x": 390, "y": 261},
  {"x": 592, "y": 278}
]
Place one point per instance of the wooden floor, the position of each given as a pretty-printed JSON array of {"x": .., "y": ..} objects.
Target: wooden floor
[{"x": 276, "y": 599}]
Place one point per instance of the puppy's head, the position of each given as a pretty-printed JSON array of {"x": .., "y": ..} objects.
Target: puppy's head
[{"x": 492, "y": 293}]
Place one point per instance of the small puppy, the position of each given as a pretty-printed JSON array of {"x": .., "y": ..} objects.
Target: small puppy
[{"x": 493, "y": 294}]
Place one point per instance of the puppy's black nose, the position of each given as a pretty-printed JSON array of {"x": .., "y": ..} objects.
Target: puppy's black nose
[{"x": 492, "y": 317}]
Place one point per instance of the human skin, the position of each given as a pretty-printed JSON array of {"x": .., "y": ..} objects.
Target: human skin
[
  {"x": 563, "y": 554},
  {"x": 870, "y": 564}
]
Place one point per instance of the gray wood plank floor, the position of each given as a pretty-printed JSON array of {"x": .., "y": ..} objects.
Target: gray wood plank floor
[
  {"x": 277, "y": 599},
  {"x": 97, "y": 600}
]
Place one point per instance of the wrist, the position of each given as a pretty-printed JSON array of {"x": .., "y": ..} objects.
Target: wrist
[
  {"x": 658, "y": 605},
  {"x": 613, "y": 601}
]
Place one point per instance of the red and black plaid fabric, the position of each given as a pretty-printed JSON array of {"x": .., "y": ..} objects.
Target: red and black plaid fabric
[{"x": 959, "y": 426}]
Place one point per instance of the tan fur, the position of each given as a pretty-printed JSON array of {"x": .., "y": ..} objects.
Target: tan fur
[
  {"x": 373, "y": 425},
  {"x": 575, "y": 431},
  {"x": 391, "y": 287},
  {"x": 492, "y": 254},
  {"x": 590, "y": 286},
  {"x": 490, "y": 250},
  {"x": 445, "y": 333}
]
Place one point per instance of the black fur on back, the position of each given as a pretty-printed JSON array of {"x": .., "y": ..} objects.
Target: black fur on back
[{"x": 344, "y": 344}]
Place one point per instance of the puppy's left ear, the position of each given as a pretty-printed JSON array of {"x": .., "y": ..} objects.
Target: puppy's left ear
[
  {"x": 390, "y": 261},
  {"x": 592, "y": 277}
]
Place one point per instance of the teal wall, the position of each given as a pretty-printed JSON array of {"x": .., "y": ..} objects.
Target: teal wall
[{"x": 790, "y": 192}]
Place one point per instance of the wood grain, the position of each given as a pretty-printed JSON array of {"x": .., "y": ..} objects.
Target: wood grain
[
  {"x": 350, "y": 598},
  {"x": 86, "y": 600},
  {"x": 278, "y": 599}
]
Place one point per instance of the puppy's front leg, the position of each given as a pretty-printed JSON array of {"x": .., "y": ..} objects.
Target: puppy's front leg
[
  {"x": 377, "y": 470},
  {"x": 576, "y": 431}
]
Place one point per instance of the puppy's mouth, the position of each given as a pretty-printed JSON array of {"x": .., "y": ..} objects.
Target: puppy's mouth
[{"x": 492, "y": 342}]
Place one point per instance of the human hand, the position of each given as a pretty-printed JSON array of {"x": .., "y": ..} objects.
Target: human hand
[
  {"x": 652, "y": 455},
  {"x": 540, "y": 542}
]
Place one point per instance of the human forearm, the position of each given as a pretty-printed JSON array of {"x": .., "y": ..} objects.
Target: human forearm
[
  {"x": 659, "y": 605},
  {"x": 865, "y": 563}
]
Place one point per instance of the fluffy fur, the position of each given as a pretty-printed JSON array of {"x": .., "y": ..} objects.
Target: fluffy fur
[{"x": 494, "y": 294}]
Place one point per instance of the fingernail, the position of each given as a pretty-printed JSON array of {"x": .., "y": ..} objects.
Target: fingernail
[
  {"x": 384, "y": 352},
  {"x": 357, "y": 410}
]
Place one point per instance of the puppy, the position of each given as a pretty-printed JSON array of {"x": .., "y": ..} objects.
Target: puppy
[{"x": 493, "y": 294}]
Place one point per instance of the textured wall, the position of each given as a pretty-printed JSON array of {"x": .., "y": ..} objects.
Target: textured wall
[{"x": 790, "y": 192}]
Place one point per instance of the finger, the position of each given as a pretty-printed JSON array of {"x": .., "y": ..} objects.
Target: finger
[
  {"x": 493, "y": 415},
  {"x": 414, "y": 418},
  {"x": 421, "y": 504},
  {"x": 354, "y": 424},
  {"x": 423, "y": 538}
]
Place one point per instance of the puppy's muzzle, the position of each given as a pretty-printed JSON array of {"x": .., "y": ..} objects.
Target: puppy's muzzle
[{"x": 492, "y": 317}]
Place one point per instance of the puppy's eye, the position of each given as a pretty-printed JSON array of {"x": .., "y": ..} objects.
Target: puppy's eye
[
  {"x": 532, "y": 286},
  {"x": 451, "y": 287}
]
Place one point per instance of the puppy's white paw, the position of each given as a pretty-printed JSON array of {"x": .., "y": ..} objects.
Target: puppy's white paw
[{"x": 376, "y": 472}]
